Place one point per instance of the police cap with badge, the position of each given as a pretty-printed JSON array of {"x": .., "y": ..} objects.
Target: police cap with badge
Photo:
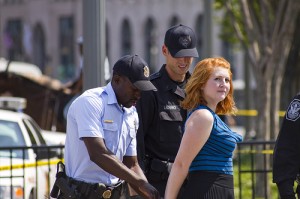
[{"x": 136, "y": 69}]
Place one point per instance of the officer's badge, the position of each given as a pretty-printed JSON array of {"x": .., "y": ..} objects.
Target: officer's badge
[
  {"x": 146, "y": 71},
  {"x": 293, "y": 112},
  {"x": 106, "y": 194}
]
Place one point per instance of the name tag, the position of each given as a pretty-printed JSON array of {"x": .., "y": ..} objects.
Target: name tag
[
  {"x": 108, "y": 121},
  {"x": 170, "y": 107}
]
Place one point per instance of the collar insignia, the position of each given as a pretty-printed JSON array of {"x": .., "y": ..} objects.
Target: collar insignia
[{"x": 146, "y": 71}]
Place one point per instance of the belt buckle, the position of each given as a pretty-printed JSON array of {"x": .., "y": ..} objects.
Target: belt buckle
[{"x": 106, "y": 194}]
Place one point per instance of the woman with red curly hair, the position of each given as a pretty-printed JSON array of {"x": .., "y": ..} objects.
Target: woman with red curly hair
[{"x": 205, "y": 155}]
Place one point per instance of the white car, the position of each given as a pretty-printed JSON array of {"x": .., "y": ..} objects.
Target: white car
[{"x": 30, "y": 171}]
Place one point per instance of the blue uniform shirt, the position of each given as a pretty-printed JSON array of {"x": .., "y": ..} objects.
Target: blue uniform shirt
[{"x": 96, "y": 113}]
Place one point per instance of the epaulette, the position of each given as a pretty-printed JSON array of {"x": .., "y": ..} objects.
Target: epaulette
[{"x": 155, "y": 75}]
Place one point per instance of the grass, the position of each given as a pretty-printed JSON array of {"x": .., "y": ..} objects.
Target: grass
[
  {"x": 248, "y": 181},
  {"x": 246, "y": 186}
]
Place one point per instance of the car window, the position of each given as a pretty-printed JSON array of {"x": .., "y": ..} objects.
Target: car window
[
  {"x": 35, "y": 132},
  {"x": 11, "y": 136},
  {"x": 31, "y": 134}
]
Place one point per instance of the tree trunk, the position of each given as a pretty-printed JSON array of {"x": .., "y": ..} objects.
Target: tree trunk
[
  {"x": 262, "y": 131},
  {"x": 275, "y": 105}
]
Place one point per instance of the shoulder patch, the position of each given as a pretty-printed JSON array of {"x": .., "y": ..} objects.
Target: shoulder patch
[
  {"x": 155, "y": 75},
  {"x": 293, "y": 112}
]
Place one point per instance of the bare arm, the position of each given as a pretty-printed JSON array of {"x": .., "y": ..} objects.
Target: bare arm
[
  {"x": 132, "y": 163},
  {"x": 198, "y": 128},
  {"x": 105, "y": 159}
]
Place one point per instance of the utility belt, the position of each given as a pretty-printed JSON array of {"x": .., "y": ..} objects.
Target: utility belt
[
  {"x": 69, "y": 188},
  {"x": 157, "y": 170}
]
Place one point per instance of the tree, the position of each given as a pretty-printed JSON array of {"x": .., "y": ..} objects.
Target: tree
[
  {"x": 265, "y": 28},
  {"x": 291, "y": 81}
]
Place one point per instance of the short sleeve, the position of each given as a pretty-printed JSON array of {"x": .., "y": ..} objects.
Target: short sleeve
[{"x": 88, "y": 113}]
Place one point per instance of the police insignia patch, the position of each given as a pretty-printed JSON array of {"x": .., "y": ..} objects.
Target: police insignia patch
[
  {"x": 293, "y": 112},
  {"x": 185, "y": 41},
  {"x": 146, "y": 71}
]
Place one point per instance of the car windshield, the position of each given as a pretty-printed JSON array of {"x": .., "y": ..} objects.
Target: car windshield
[{"x": 11, "y": 136}]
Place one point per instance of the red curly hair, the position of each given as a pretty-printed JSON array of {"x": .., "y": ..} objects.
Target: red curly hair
[{"x": 200, "y": 76}]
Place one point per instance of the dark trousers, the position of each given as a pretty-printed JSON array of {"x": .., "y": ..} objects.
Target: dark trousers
[
  {"x": 158, "y": 180},
  {"x": 208, "y": 185}
]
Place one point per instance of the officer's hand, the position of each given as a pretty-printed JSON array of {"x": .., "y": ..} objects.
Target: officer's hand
[{"x": 148, "y": 191}]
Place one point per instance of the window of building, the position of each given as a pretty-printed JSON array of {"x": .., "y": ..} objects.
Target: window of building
[
  {"x": 107, "y": 35},
  {"x": 151, "y": 49},
  {"x": 174, "y": 21},
  {"x": 13, "y": 35},
  {"x": 12, "y": 1},
  {"x": 39, "y": 51},
  {"x": 199, "y": 30},
  {"x": 107, "y": 70},
  {"x": 66, "y": 48},
  {"x": 126, "y": 36}
]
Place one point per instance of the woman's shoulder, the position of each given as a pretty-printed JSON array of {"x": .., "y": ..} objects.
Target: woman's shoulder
[
  {"x": 202, "y": 115},
  {"x": 202, "y": 109}
]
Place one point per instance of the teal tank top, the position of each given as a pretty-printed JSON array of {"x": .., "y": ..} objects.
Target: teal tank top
[{"x": 216, "y": 154}]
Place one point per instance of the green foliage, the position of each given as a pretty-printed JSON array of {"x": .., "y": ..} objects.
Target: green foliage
[
  {"x": 261, "y": 14},
  {"x": 228, "y": 33}
]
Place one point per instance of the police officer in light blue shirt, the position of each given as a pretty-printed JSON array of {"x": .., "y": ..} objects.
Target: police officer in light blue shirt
[{"x": 101, "y": 134}]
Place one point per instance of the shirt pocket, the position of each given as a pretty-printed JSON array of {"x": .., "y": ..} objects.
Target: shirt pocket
[
  {"x": 111, "y": 136},
  {"x": 170, "y": 129},
  {"x": 132, "y": 131},
  {"x": 110, "y": 127},
  {"x": 129, "y": 136}
]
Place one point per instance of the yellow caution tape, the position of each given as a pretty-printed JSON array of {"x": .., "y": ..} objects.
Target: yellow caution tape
[
  {"x": 247, "y": 113},
  {"x": 281, "y": 113},
  {"x": 27, "y": 165},
  {"x": 254, "y": 113},
  {"x": 255, "y": 151}
]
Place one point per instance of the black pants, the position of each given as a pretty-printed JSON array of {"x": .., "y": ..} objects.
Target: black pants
[
  {"x": 208, "y": 185},
  {"x": 158, "y": 180}
]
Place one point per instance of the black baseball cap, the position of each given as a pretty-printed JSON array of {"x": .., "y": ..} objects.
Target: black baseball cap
[
  {"x": 137, "y": 71},
  {"x": 181, "y": 41}
]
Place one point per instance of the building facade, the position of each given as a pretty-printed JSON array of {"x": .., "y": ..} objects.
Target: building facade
[{"x": 45, "y": 32}]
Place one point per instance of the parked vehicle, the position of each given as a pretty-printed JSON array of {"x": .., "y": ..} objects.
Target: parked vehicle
[
  {"x": 46, "y": 97},
  {"x": 27, "y": 166},
  {"x": 20, "y": 67}
]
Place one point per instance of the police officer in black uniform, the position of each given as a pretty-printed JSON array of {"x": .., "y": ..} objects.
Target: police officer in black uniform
[
  {"x": 286, "y": 164},
  {"x": 160, "y": 116}
]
